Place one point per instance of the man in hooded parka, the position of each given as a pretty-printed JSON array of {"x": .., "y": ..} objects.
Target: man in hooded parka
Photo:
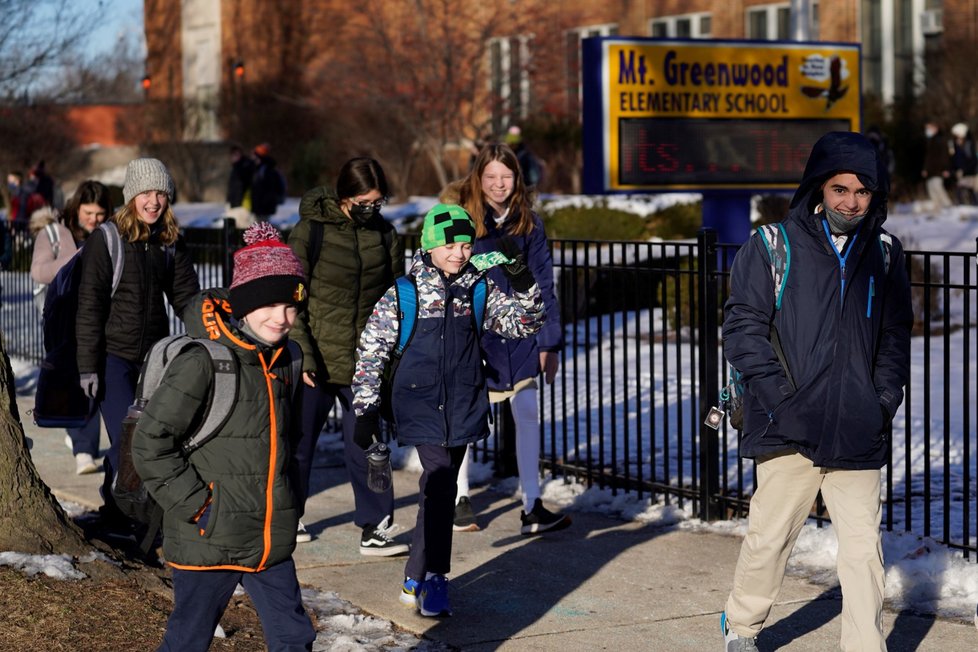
[{"x": 824, "y": 375}]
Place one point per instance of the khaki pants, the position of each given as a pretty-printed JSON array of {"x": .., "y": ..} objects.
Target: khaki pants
[{"x": 786, "y": 488}]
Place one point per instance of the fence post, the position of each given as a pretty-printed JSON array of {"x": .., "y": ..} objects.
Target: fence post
[
  {"x": 709, "y": 372},
  {"x": 227, "y": 250}
]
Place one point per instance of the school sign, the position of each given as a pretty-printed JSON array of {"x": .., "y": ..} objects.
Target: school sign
[{"x": 702, "y": 115}]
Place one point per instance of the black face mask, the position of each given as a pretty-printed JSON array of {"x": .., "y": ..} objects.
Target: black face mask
[{"x": 361, "y": 215}]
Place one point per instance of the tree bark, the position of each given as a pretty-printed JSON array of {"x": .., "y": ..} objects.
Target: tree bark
[{"x": 31, "y": 519}]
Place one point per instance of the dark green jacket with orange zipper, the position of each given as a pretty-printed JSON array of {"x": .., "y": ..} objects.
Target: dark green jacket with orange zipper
[{"x": 244, "y": 472}]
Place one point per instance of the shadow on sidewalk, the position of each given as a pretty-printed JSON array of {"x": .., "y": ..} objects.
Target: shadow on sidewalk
[{"x": 505, "y": 596}]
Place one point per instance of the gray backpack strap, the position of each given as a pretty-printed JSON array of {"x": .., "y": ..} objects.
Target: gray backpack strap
[
  {"x": 113, "y": 242},
  {"x": 775, "y": 240},
  {"x": 52, "y": 230},
  {"x": 224, "y": 393}
]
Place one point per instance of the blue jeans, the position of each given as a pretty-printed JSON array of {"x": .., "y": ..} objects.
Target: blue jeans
[
  {"x": 117, "y": 390},
  {"x": 86, "y": 438}
]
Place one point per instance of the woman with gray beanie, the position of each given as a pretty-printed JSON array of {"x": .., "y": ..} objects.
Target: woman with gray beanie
[{"x": 120, "y": 319}]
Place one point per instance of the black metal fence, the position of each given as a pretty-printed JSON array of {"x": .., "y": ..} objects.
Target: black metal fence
[{"x": 642, "y": 363}]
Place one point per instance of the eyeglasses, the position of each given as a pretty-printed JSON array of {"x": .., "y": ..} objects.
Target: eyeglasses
[{"x": 367, "y": 205}]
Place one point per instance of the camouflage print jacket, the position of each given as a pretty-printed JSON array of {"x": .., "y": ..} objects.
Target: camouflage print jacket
[{"x": 439, "y": 393}]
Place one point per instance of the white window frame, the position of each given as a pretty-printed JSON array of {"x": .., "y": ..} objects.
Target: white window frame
[
  {"x": 671, "y": 22},
  {"x": 503, "y": 112},
  {"x": 771, "y": 11},
  {"x": 603, "y": 29}
]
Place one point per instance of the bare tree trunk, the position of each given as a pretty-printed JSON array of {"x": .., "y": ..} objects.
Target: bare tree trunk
[{"x": 31, "y": 520}]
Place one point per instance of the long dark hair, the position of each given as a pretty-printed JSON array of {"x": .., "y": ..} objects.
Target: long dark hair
[
  {"x": 470, "y": 191},
  {"x": 89, "y": 192},
  {"x": 359, "y": 176}
]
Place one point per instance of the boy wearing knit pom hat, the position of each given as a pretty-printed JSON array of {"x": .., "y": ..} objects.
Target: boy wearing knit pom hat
[
  {"x": 438, "y": 395},
  {"x": 221, "y": 527}
]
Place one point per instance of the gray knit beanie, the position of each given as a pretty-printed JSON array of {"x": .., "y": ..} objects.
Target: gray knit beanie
[{"x": 144, "y": 174}]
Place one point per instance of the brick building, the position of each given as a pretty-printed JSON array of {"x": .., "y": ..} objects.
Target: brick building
[{"x": 207, "y": 57}]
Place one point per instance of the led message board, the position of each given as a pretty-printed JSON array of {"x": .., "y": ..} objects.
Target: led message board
[{"x": 701, "y": 115}]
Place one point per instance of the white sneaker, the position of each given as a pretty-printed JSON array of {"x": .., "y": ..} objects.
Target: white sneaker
[
  {"x": 84, "y": 464},
  {"x": 68, "y": 442},
  {"x": 302, "y": 535}
]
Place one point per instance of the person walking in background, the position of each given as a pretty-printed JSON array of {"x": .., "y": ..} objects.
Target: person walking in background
[
  {"x": 239, "y": 179},
  {"x": 438, "y": 394},
  {"x": 937, "y": 159},
  {"x": 964, "y": 164},
  {"x": 495, "y": 196},
  {"x": 824, "y": 375},
  {"x": 351, "y": 255},
  {"x": 267, "y": 184},
  {"x": 530, "y": 167},
  {"x": 42, "y": 183},
  {"x": 55, "y": 243},
  {"x": 229, "y": 509},
  {"x": 116, "y": 329}
]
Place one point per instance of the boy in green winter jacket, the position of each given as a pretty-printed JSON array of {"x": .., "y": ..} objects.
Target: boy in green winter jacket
[{"x": 230, "y": 508}]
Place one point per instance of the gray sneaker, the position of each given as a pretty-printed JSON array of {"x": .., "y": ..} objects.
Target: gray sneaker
[{"x": 732, "y": 642}]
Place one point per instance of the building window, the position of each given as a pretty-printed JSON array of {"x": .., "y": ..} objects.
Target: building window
[
  {"x": 769, "y": 22},
  {"x": 685, "y": 26},
  {"x": 572, "y": 59},
  {"x": 509, "y": 80}
]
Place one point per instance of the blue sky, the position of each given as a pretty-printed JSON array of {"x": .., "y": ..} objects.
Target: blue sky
[{"x": 118, "y": 19}]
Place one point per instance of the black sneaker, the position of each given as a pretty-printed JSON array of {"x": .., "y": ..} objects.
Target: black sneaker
[
  {"x": 376, "y": 541},
  {"x": 464, "y": 516},
  {"x": 540, "y": 519}
]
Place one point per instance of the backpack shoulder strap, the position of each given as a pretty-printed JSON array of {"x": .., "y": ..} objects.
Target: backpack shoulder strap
[
  {"x": 54, "y": 236},
  {"x": 113, "y": 242},
  {"x": 407, "y": 309},
  {"x": 886, "y": 244},
  {"x": 295, "y": 367},
  {"x": 775, "y": 240},
  {"x": 223, "y": 396},
  {"x": 315, "y": 244},
  {"x": 480, "y": 297},
  {"x": 224, "y": 390}
]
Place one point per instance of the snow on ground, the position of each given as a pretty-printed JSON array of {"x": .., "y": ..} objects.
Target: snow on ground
[{"x": 921, "y": 574}]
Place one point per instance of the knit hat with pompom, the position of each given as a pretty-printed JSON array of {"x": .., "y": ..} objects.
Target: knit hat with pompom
[{"x": 266, "y": 272}]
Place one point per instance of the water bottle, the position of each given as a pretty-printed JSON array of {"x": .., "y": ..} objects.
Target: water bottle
[
  {"x": 126, "y": 479},
  {"x": 379, "y": 477}
]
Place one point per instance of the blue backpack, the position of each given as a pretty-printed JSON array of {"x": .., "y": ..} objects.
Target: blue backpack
[{"x": 407, "y": 311}]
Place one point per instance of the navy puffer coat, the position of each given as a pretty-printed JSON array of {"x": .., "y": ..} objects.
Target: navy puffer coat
[
  {"x": 509, "y": 361},
  {"x": 844, "y": 325}
]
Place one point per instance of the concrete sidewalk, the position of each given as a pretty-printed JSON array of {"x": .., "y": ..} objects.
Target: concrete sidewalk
[{"x": 602, "y": 584}]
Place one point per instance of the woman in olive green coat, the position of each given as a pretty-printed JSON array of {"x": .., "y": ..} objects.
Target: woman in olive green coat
[{"x": 351, "y": 256}]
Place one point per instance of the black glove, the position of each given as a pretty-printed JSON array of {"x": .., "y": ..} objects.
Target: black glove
[
  {"x": 519, "y": 275},
  {"x": 367, "y": 429}
]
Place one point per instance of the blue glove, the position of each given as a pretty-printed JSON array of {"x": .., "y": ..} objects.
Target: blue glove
[{"x": 89, "y": 383}]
